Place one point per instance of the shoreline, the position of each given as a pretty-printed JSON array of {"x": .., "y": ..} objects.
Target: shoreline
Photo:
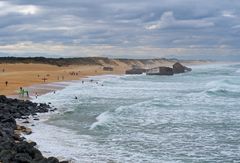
[
  {"x": 71, "y": 135},
  {"x": 46, "y": 88},
  {"x": 40, "y": 128},
  {"x": 27, "y": 75},
  {"x": 33, "y": 122},
  {"x": 43, "y": 117},
  {"x": 41, "y": 124},
  {"x": 13, "y": 145},
  {"x": 49, "y": 87},
  {"x": 36, "y": 128},
  {"x": 43, "y": 89}
]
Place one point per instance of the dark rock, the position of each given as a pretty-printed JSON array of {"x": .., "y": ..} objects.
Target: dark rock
[
  {"x": 32, "y": 143},
  {"x": 52, "y": 110},
  {"x": 13, "y": 147},
  {"x": 160, "y": 71},
  {"x": 23, "y": 117},
  {"x": 40, "y": 160},
  {"x": 8, "y": 119},
  {"x": 136, "y": 71},
  {"x": 23, "y": 157},
  {"x": 6, "y": 155},
  {"x": 179, "y": 68},
  {"x": 52, "y": 160},
  {"x": 25, "y": 122},
  {"x": 36, "y": 154},
  {"x": 107, "y": 68},
  {"x": 3, "y": 98}
]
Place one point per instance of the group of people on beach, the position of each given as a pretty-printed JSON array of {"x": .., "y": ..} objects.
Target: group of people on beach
[
  {"x": 22, "y": 92},
  {"x": 74, "y": 73},
  {"x": 58, "y": 78},
  {"x": 44, "y": 79}
]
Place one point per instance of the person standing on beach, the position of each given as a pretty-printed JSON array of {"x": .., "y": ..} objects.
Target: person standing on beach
[
  {"x": 27, "y": 93},
  {"x": 6, "y": 83},
  {"x": 44, "y": 79},
  {"x": 21, "y": 92}
]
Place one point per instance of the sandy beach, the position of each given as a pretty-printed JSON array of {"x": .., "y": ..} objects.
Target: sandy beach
[
  {"x": 25, "y": 75},
  {"x": 37, "y": 75}
]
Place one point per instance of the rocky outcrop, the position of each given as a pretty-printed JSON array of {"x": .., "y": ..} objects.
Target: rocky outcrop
[
  {"x": 136, "y": 71},
  {"x": 13, "y": 147},
  {"x": 107, "y": 68},
  {"x": 160, "y": 71},
  {"x": 179, "y": 68}
]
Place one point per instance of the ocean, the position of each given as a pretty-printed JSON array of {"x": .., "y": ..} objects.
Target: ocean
[{"x": 190, "y": 117}]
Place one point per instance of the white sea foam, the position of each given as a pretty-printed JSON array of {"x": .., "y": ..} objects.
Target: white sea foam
[
  {"x": 102, "y": 119},
  {"x": 145, "y": 119},
  {"x": 54, "y": 141},
  {"x": 238, "y": 71}
]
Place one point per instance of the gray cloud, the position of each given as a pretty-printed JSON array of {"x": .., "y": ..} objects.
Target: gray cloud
[
  {"x": 86, "y": 28},
  {"x": 169, "y": 21}
]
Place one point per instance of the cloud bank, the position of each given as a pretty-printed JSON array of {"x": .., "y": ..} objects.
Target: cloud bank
[
  {"x": 169, "y": 21},
  {"x": 120, "y": 28}
]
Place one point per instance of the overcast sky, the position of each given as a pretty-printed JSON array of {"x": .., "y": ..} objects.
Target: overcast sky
[{"x": 189, "y": 29}]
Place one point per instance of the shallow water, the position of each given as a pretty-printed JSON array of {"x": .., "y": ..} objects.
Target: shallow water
[{"x": 191, "y": 117}]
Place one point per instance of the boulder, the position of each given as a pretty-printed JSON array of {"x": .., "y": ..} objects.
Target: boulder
[
  {"x": 23, "y": 157},
  {"x": 107, "y": 68},
  {"x": 179, "y": 68},
  {"x": 13, "y": 147},
  {"x": 136, "y": 71},
  {"x": 160, "y": 71},
  {"x": 52, "y": 160}
]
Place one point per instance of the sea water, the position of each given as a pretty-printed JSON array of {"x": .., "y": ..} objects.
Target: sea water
[{"x": 190, "y": 117}]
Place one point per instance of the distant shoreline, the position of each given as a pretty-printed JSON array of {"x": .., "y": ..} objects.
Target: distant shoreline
[
  {"x": 27, "y": 72},
  {"x": 87, "y": 60},
  {"x": 39, "y": 132}
]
